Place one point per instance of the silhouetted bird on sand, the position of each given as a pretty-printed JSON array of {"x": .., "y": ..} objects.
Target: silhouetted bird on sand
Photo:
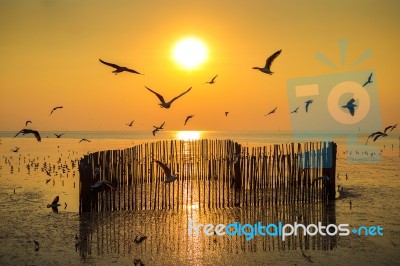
[
  {"x": 308, "y": 104},
  {"x": 27, "y": 122},
  {"x": 267, "y": 68},
  {"x": 273, "y": 111},
  {"x": 130, "y": 124},
  {"x": 139, "y": 239},
  {"x": 55, "y": 108},
  {"x": 212, "y": 80},
  {"x": 167, "y": 171},
  {"x": 54, "y": 205},
  {"x": 28, "y": 131},
  {"x": 187, "y": 118},
  {"x": 84, "y": 140},
  {"x": 119, "y": 69},
  {"x": 350, "y": 105},
  {"x": 368, "y": 81},
  {"x": 58, "y": 135},
  {"x": 163, "y": 103}
]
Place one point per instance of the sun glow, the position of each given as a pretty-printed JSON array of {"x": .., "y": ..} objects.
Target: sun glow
[
  {"x": 190, "y": 53},
  {"x": 189, "y": 135}
]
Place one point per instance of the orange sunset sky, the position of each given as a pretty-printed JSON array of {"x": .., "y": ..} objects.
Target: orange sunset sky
[{"x": 49, "y": 53}]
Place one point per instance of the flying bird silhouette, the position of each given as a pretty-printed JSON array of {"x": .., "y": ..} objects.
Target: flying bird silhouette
[
  {"x": 156, "y": 129},
  {"x": 167, "y": 171},
  {"x": 187, "y": 118},
  {"x": 28, "y": 131},
  {"x": 160, "y": 127},
  {"x": 368, "y": 81},
  {"x": 102, "y": 185},
  {"x": 390, "y": 127},
  {"x": 212, "y": 80},
  {"x": 350, "y": 105},
  {"x": 295, "y": 110},
  {"x": 131, "y": 123},
  {"x": 119, "y": 69},
  {"x": 55, "y": 108},
  {"x": 271, "y": 112},
  {"x": 54, "y": 205},
  {"x": 58, "y": 135},
  {"x": 375, "y": 136},
  {"x": 380, "y": 134},
  {"x": 163, "y": 103},
  {"x": 27, "y": 122},
  {"x": 308, "y": 104},
  {"x": 16, "y": 149},
  {"x": 84, "y": 140},
  {"x": 267, "y": 68}
]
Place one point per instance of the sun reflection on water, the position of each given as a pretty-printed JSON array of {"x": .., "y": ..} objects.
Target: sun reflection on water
[{"x": 188, "y": 135}]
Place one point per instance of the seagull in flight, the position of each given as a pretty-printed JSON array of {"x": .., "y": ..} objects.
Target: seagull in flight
[
  {"x": 160, "y": 127},
  {"x": 54, "y": 205},
  {"x": 368, "y": 81},
  {"x": 28, "y": 131},
  {"x": 212, "y": 80},
  {"x": 119, "y": 69},
  {"x": 187, "y": 118},
  {"x": 27, "y": 122},
  {"x": 55, "y": 108},
  {"x": 267, "y": 68},
  {"x": 350, "y": 105},
  {"x": 58, "y": 135},
  {"x": 84, "y": 140},
  {"x": 167, "y": 171},
  {"x": 376, "y": 135},
  {"x": 156, "y": 129},
  {"x": 390, "y": 127},
  {"x": 131, "y": 123},
  {"x": 273, "y": 111},
  {"x": 16, "y": 149},
  {"x": 295, "y": 110},
  {"x": 103, "y": 184},
  {"x": 165, "y": 104},
  {"x": 307, "y": 104}
]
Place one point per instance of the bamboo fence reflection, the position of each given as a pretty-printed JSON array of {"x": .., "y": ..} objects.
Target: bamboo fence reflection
[{"x": 167, "y": 231}]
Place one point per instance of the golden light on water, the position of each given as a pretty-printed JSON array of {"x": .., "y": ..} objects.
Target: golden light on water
[{"x": 188, "y": 135}]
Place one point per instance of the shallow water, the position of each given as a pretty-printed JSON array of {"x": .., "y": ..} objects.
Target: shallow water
[{"x": 70, "y": 238}]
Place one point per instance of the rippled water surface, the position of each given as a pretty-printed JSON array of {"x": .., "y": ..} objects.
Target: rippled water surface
[{"x": 70, "y": 238}]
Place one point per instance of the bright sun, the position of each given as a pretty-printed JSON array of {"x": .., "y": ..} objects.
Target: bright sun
[{"x": 190, "y": 52}]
